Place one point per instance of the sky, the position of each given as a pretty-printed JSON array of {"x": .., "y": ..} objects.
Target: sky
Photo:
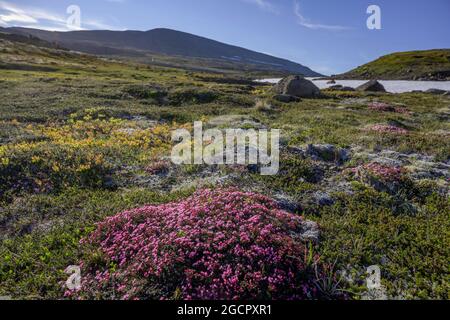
[{"x": 329, "y": 36}]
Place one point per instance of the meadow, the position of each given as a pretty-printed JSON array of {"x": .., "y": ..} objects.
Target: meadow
[{"x": 84, "y": 138}]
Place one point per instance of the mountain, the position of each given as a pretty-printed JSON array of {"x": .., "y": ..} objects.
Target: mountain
[
  {"x": 411, "y": 65},
  {"x": 166, "y": 42}
]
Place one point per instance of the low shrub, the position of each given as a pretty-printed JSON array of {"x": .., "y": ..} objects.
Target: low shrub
[
  {"x": 145, "y": 92},
  {"x": 382, "y": 177},
  {"x": 295, "y": 176},
  {"x": 221, "y": 244},
  {"x": 384, "y": 107},
  {"x": 192, "y": 96}
]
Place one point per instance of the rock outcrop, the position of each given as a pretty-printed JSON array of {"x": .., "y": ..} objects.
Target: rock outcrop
[{"x": 297, "y": 86}]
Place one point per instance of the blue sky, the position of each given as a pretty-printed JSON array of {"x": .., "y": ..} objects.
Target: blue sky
[{"x": 330, "y": 36}]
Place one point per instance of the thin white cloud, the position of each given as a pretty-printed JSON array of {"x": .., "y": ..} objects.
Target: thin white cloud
[
  {"x": 17, "y": 17},
  {"x": 31, "y": 17},
  {"x": 303, "y": 21},
  {"x": 264, "y": 5},
  {"x": 12, "y": 13}
]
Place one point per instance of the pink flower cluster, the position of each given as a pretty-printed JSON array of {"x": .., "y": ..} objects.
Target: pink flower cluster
[
  {"x": 380, "y": 171},
  {"x": 385, "y": 128},
  {"x": 384, "y": 107},
  {"x": 217, "y": 244}
]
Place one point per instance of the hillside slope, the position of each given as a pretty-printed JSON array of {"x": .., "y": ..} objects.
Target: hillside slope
[
  {"x": 166, "y": 42},
  {"x": 411, "y": 65}
]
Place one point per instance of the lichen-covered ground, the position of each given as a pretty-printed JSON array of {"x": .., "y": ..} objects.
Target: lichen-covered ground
[{"x": 83, "y": 138}]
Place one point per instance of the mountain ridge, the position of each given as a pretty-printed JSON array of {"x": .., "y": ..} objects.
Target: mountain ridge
[{"x": 166, "y": 42}]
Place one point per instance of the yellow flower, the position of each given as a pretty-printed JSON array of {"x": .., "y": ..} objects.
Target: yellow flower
[
  {"x": 98, "y": 159},
  {"x": 84, "y": 167},
  {"x": 55, "y": 167},
  {"x": 35, "y": 159},
  {"x": 5, "y": 161}
]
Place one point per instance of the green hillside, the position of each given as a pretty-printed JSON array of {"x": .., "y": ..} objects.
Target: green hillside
[{"x": 411, "y": 65}]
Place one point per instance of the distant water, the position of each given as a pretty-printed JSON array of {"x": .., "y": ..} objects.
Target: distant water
[{"x": 394, "y": 86}]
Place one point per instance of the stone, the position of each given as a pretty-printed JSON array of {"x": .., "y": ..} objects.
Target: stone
[
  {"x": 371, "y": 86},
  {"x": 310, "y": 231},
  {"x": 297, "y": 86},
  {"x": 323, "y": 198},
  {"x": 286, "y": 203},
  {"x": 339, "y": 87}
]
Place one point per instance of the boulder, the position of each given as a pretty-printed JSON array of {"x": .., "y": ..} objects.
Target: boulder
[
  {"x": 371, "y": 86},
  {"x": 286, "y": 98},
  {"x": 331, "y": 82},
  {"x": 339, "y": 87},
  {"x": 297, "y": 86}
]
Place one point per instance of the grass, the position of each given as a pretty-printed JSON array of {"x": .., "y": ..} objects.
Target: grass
[{"x": 77, "y": 138}]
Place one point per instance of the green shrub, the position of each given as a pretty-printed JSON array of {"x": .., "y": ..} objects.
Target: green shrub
[{"x": 192, "y": 96}]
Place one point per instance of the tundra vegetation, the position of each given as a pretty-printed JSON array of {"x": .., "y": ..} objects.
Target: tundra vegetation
[{"x": 85, "y": 143}]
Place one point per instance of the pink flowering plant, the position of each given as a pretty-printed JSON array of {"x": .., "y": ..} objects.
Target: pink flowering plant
[
  {"x": 380, "y": 176},
  {"x": 385, "y": 128},
  {"x": 384, "y": 107},
  {"x": 383, "y": 172},
  {"x": 217, "y": 244}
]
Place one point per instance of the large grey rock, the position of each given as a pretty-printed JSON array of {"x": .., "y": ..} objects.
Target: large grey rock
[
  {"x": 371, "y": 86},
  {"x": 297, "y": 86}
]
